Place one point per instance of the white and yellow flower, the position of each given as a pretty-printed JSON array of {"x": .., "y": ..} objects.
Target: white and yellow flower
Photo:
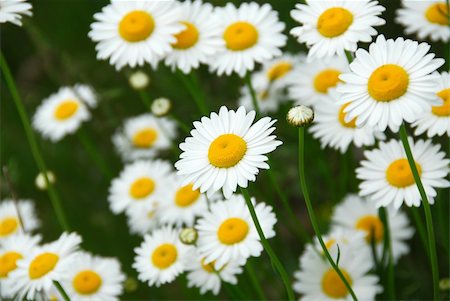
[
  {"x": 17, "y": 217},
  {"x": 12, "y": 11},
  {"x": 143, "y": 219},
  {"x": 278, "y": 71}
]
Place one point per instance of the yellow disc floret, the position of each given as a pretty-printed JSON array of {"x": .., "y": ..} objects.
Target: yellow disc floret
[
  {"x": 142, "y": 188},
  {"x": 8, "y": 263},
  {"x": 186, "y": 196},
  {"x": 388, "y": 82},
  {"x": 164, "y": 256},
  {"x": 187, "y": 38},
  {"x": 87, "y": 282},
  {"x": 373, "y": 227},
  {"x": 332, "y": 284},
  {"x": 326, "y": 79},
  {"x": 399, "y": 173},
  {"x": 8, "y": 225},
  {"x": 66, "y": 109},
  {"x": 227, "y": 150},
  {"x": 145, "y": 138},
  {"x": 437, "y": 13},
  {"x": 42, "y": 265},
  {"x": 240, "y": 36},
  {"x": 334, "y": 22},
  {"x": 136, "y": 26},
  {"x": 279, "y": 70},
  {"x": 342, "y": 114},
  {"x": 232, "y": 231},
  {"x": 444, "y": 109}
]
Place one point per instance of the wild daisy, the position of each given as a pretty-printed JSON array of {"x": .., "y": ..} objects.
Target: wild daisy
[
  {"x": 200, "y": 38},
  {"x": 168, "y": 257},
  {"x": 226, "y": 150},
  {"x": 143, "y": 219},
  {"x": 63, "y": 112},
  {"x": 144, "y": 136},
  {"x": 12, "y": 11},
  {"x": 135, "y": 32},
  {"x": 437, "y": 121},
  {"x": 390, "y": 83},
  {"x": 387, "y": 178},
  {"x": 43, "y": 265},
  {"x": 331, "y": 27},
  {"x": 140, "y": 184},
  {"x": 428, "y": 19},
  {"x": 94, "y": 278},
  {"x": 359, "y": 214},
  {"x": 353, "y": 240},
  {"x": 279, "y": 70},
  {"x": 227, "y": 233},
  {"x": 332, "y": 129},
  {"x": 17, "y": 217},
  {"x": 251, "y": 34},
  {"x": 311, "y": 81}
]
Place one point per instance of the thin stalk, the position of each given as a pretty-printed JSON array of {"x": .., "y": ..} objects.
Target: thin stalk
[
  {"x": 145, "y": 99},
  {"x": 248, "y": 82},
  {"x": 32, "y": 141},
  {"x": 421, "y": 229},
  {"x": 194, "y": 91},
  {"x": 254, "y": 280},
  {"x": 312, "y": 216},
  {"x": 388, "y": 249},
  {"x": 427, "y": 209},
  {"x": 61, "y": 290},
  {"x": 349, "y": 56},
  {"x": 273, "y": 257}
]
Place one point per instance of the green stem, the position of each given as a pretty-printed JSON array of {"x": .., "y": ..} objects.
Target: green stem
[
  {"x": 194, "y": 91},
  {"x": 301, "y": 134},
  {"x": 420, "y": 228},
  {"x": 427, "y": 209},
  {"x": 273, "y": 257},
  {"x": 61, "y": 290},
  {"x": 349, "y": 56},
  {"x": 254, "y": 280},
  {"x": 145, "y": 99},
  {"x": 56, "y": 203},
  {"x": 248, "y": 82},
  {"x": 387, "y": 248}
]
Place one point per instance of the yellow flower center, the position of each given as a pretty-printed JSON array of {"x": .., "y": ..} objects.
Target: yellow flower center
[
  {"x": 164, "y": 256},
  {"x": 8, "y": 263},
  {"x": 443, "y": 110},
  {"x": 240, "y": 36},
  {"x": 334, "y": 21},
  {"x": 187, "y": 38},
  {"x": 142, "y": 187},
  {"x": 437, "y": 13},
  {"x": 232, "y": 231},
  {"x": 87, "y": 282},
  {"x": 145, "y": 138},
  {"x": 373, "y": 227},
  {"x": 332, "y": 284},
  {"x": 227, "y": 150},
  {"x": 42, "y": 264},
  {"x": 136, "y": 26},
  {"x": 399, "y": 173},
  {"x": 186, "y": 196},
  {"x": 326, "y": 79},
  {"x": 8, "y": 226},
  {"x": 210, "y": 267},
  {"x": 66, "y": 109},
  {"x": 330, "y": 243},
  {"x": 279, "y": 70},
  {"x": 342, "y": 115},
  {"x": 388, "y": 82}
]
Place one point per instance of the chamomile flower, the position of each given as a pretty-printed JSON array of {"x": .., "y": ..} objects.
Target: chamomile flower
[
  {"x": 144, "y": 136},
  {"x": 390, "y": 83},
  {"x": 207, "y": 277},
  {"x": 143, "y": 219},
  {"x": 17, "y": 217},
  {"x": 311, "y": 81},
  {"x": 135, "y": 32},
  {"x": 387, "y": 178},
  {"x": 94, "y": 278},
  {"x": 140, "y": 184},
  {"x": 425, "y": 18},
  {"x": 227, "y": 233},
  {"x": 43, "y": 265},
  {"x": 199, "y": 40},
  {"x": 161, "y": 257},
  {"x": 353, "y": 240},
  {"x": 63, "y": 112},
  {"x": 333, "y": 130},
  {"x": 278, "y": 71},
  {"x": 251, "y": 34},
  {"x": 437, "y": 121},
  {"x": 12, "y": 11},
  {"x": 226, "y": 150},
  {"x": 332, "y": 27}
]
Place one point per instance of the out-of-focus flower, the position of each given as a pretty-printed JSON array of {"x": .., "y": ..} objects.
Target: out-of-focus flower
[
  {"x": 161, "y": 106},
  {"x": 17, "y": 217},
  {"x": 40, "y": 181},
  {"x": 12, "y": 11},
  {"x": 139, "y": 80}
]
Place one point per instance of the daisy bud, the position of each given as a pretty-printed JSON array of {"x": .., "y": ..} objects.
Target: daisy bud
[
  {"x": 188, "y": 236},
  {"x": 40, "y": 180},
  {"x": 130, "y": 285},
  {"x": 161, "y": 106},
  {"x": 444, "y": 284},
  {"x": 139, "y": 80},
  {"x": 300, "y": 116}
]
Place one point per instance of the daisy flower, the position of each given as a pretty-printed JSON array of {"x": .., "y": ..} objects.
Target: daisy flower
[
  {"x": 331, "y": 128},
  {"x": 317, "y": 280},
  {"x": 17, "y": 217},
  {"x": 425, "y": 18},
  {"x": 359, "y": 214},
  {"x": 168, "y": 257},
  {"x": 353, "y": 240},
  {"x": 279, "y": 71},
  {"x": 144, "y": 136},
  {"x": 135, "y": 32},
  {"x": 311, "y": 81},
  {"x": 143, "y": 219},
  {"x": 387, "y": 178},
  {"x": 226, "y": 150},
  {"x": 390, "y": 83},
  {"x": 12, "y": 11},
  {"x": 227, "y": 233},
  {"x": 437, "y": 121},
  {"x": 199, "y": 40},
  {"x": 94, "y": 278},
  {"x": 250, "y": 34},
  {"x": 63, "y": 112},
  {"x": 140, "y": 184},
  {"x": 207, "y": 277},
  {"x": 332, "y": 27},
  {"x": 43, "y": 265}
]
